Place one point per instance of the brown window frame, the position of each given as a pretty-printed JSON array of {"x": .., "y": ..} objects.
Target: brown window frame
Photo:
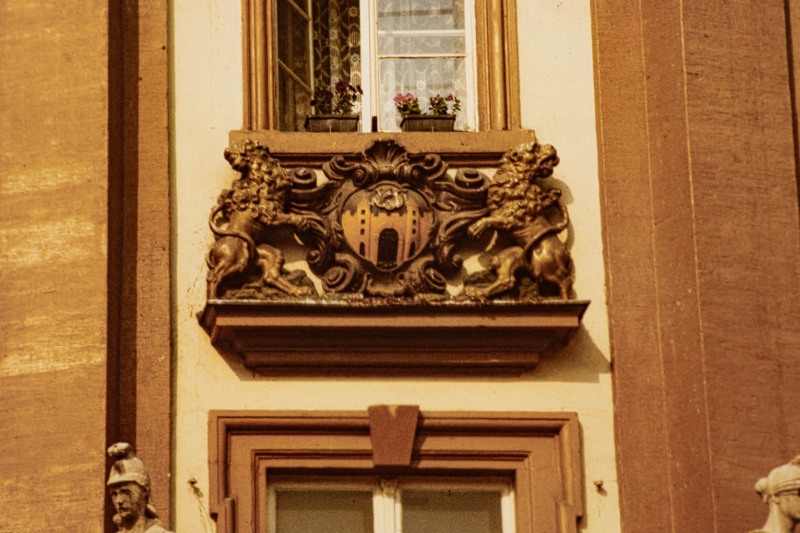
[
  {"x": 497, "y": 58},
  {"x": 539, "y": 451}
]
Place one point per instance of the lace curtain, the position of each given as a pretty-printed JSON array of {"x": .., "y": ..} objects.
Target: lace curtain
[
  {"x": 409, "y": 30},
  {"x": 421, "y": 50},
  {"x": 337, "y": 43}
]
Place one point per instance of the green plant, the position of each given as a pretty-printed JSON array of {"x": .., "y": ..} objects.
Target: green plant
[
  {"x": 340, "y": 101},
  {"x": 323, "y": 101},
  {"x": 444, "y": 105},
  {"x": 407, "y": 104}
]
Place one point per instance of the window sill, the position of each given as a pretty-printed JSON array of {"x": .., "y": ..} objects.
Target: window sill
[
  {"x": 453, "y": 338},
  {"x": 457, "y": 148}
]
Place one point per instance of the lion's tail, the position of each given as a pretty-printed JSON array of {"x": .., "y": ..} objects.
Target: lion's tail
[{"x": 220, "y": 232}]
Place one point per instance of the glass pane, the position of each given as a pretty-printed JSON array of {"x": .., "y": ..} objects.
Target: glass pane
[
  {"x": 293, "y": 41},
  {"x": 337, "y": 42},
  {"x": 294, "y": 103},
  {"x": 421, "y": 44},
  {"x": 324, "y": 511},
  {"x": 444, "y": 511},
  {"x": 423, "y": 78},
  {"x": 420, "y": 14}
]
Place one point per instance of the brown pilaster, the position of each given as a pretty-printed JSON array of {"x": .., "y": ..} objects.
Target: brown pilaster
[
  {"x": 53, "y": 227},
  {"x": 84, "y": 249},
  {"x": 139, "y": 215},
  {"x": 700, "y": 215}
]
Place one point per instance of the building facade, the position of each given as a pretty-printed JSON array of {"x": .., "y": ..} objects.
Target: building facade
[{"x": 676, "y": 126}]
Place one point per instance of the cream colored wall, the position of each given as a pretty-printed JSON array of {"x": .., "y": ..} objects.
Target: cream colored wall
[{"x": 557, "y": 101}]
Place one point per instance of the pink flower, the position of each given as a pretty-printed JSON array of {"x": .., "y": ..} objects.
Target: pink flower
[
  {"x": 398, "y": 99},
  {"x": 450, "y": 97}
]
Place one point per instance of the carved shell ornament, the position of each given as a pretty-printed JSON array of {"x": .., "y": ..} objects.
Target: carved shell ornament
[{"x": 389, "y": 224}]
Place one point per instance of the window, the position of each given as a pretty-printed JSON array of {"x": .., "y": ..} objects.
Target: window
[
  {"x": 423, "y": 47},
  {"x": 387, "y": 472},
  {"x": 390, "y": 505},
  {"x": 464, "y": 47}
]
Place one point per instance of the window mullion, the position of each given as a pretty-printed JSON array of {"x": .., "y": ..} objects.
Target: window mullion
[
  {"x": 300, "y": 10},
  {"x": 421, "y": 56},
  {"x": 390, "y": 507},
  {"x": 471, "y": 105},
  {"x": 507, "y": 510},
  {"x": 368, "y": 22},
  {"x": 294, "y": 76}
]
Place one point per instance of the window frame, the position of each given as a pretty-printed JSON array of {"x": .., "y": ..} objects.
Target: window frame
[
  {"x": 496, "y": 84},
  {"x": 373, "y": 70},
  {"x": 539, "y": 451},
  {"x": 387, "y": 493}
]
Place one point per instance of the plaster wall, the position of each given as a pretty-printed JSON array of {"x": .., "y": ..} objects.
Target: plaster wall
[{"x": 557, "y": 101}]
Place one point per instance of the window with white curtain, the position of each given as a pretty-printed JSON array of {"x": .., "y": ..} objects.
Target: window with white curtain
[{"x": 422, "y": 47}]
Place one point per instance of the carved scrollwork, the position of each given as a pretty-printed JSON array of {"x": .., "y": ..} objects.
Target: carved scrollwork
[{"x": 387, "y": 224}]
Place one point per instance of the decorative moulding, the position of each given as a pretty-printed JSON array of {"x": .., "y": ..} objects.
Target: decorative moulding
[
  {"x": 539, "y": 452},
  {"x": 459, "y": 148},
  {"x": 386, "y": 234},
  {"x": 345, "y": 337}
]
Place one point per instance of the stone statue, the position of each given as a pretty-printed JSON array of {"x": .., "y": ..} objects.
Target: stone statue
[
  {"x": 518, "y": 205},
  {"x": 781, "y": 491},
  {"x": 129, "y": 486},
  {"x": 245, "y": 215}
]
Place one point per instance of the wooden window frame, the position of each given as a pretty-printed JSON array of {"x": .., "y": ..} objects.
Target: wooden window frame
[
  {"x": 495, "y": 44},
  {"x": 540, "y": 452},
  {"x": 387, "y": 500}
]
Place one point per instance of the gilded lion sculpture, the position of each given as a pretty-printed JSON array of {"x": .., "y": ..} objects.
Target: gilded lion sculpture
[
  {"x": 519, "y": 206},
  {"x": 245, "y": 215}
]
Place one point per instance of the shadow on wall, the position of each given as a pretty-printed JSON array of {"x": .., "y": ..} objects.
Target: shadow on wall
[{"x": 580, "y": 361}]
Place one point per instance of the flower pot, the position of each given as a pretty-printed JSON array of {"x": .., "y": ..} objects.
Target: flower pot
[
  {"x": 328, "y": 123},
  {"x": 428, "y": 123}
]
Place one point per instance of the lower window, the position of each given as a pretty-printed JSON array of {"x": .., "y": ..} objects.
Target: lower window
[
  {"x": 383, "y": 471},
  {"x": 391, "y": 505}
]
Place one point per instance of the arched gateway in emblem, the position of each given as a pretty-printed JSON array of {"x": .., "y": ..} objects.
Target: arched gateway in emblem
[
  {"x": 386, "y": 225},
  {"x": 387, "y": 248}
]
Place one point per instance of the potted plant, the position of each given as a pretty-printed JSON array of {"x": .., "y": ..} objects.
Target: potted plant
[
  {"x": 334, "y": 109},
  {"x": 441, "y": 115}
]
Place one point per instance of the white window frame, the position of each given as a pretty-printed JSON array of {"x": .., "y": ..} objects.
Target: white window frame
[{"x": 370, "y": 70}]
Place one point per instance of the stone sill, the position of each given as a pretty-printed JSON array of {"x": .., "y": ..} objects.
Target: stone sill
[
  {"x": 457, "y": 148},
  {"x": 354, "y": 337}
]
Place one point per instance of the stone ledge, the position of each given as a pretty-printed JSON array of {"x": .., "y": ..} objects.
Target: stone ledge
[
  {"x": 457, "y": 148},
  {"x": 350, "y": 337}
]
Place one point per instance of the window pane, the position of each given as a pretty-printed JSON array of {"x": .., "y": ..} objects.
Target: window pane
[
  {"x": 421, "y": 44},
  {"x": 293, "y": 45},
  {"x": 420, "y": 14},
  {"x": 424, "y": 78},
  {"x": 293, "y": 104},
  {"x": 444, "y": 511},
  {"x": 337, "y": 42},
  {"x": 318, "y": 44},
  {"x": 324, "y": 511}
]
